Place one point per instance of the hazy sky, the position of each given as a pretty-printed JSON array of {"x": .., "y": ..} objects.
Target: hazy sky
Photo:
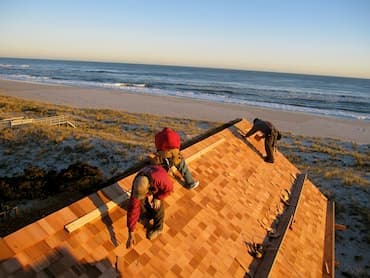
[{"x": 318, "y": 37}]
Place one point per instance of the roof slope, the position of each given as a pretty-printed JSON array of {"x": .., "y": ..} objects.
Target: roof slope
[{"x": 208, "y": 231}]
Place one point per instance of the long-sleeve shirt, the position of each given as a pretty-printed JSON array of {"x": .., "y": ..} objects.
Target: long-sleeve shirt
[{"x": 160, "y": 186}]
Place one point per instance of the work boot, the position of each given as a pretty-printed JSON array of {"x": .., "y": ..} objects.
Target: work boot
[
  {"x": 193, "y": 185},
  {"x": 152, "y": 234},
  {"x": 269, "y": 160}
]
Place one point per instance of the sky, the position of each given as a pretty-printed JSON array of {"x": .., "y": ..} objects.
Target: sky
[{"x": 315, "y": 36}]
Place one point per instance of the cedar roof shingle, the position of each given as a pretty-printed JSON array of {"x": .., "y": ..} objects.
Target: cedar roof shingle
[{"x": 207, "y": 231}]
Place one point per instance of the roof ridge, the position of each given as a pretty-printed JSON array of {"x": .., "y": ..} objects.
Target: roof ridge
[{"x": 137, "y": 166}]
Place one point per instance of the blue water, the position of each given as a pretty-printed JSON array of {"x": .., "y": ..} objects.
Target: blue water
[{"x": 324, "y": 95}]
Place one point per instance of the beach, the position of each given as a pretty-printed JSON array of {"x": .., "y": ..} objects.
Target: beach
[{"x": 298, "y": 123}]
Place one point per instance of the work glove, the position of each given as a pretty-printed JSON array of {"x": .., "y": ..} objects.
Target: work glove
[{"x": 156, "y": 204}]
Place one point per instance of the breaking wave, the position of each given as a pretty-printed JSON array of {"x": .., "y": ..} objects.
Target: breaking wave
[{"x": 324, "y": 95}]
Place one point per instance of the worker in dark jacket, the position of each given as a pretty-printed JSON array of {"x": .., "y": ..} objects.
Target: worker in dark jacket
[
  {"x": 168, "y": 143},
  {"x": 150, "y": 186},
  {"x": 269, "y": 132}
]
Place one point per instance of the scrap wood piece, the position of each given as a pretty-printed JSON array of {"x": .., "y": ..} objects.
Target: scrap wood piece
[
  {"x": 327, "y": 268},
  {"x": 340, "y": 227}
]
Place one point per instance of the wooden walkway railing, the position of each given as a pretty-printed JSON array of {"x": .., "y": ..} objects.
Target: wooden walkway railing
[
  {"x": 54, "y": 120},
  {"x": 7, "y": 211}
]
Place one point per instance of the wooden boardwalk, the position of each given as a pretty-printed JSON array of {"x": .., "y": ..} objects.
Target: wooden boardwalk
[{"x": 54, "y": 120}]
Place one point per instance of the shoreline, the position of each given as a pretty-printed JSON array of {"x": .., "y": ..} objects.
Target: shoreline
[{"x": 298, "y": 123}]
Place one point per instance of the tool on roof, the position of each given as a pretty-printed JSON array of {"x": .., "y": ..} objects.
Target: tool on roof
[
  {"x": 284, "y": 197},
  {"x": 256, "y": 250}
]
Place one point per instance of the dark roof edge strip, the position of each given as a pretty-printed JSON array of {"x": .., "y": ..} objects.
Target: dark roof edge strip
[
  {"x": 137, "y": 166},
  {"x": 285, "y": 224},
  {"x": 209, "y": 133}
]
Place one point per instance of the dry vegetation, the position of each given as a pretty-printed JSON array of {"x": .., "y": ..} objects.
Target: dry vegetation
[
  {"x": 112, "y": 141},
  {"x": 341, "y": 171}
]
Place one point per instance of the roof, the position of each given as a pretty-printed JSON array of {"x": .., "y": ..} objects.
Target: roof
[{"x": 209, "y": 231}]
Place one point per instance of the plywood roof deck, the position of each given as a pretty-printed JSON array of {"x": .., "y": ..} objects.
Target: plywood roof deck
[{"x": 207, "y": 230}]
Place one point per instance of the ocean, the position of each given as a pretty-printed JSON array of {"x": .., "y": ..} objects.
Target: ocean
[{"x": 324, "y": 95}]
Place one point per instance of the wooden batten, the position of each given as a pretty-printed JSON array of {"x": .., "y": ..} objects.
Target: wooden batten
[{"x": 329, "y": 246}]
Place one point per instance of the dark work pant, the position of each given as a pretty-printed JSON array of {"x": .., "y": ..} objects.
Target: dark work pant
[
  {"x": 157, "y": 215},
  {"x": 269, "y": 148}
]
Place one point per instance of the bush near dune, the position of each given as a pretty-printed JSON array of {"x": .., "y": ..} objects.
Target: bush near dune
[
  {"x": 36, "y": 183},
  {"x": 81, "y": 177}
]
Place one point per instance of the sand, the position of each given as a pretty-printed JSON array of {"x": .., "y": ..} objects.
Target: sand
[{"x": 298, "y": 123}]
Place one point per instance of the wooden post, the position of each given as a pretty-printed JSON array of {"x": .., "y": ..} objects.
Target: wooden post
[{"x": 329, "y": 244}]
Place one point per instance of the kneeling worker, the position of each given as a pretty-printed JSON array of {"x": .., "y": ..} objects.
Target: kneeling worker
[{"x": 150, "y": 186}]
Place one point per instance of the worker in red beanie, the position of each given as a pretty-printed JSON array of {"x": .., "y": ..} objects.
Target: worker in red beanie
[{"x": 168, "y": 154}]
